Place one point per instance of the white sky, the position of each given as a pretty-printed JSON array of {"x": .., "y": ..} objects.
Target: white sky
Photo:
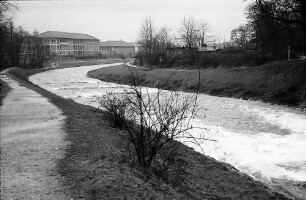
[{"x": 121, "y": 19}]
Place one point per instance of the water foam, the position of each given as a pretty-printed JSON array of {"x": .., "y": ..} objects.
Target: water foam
[
  {"x": 263, "y": 155},
  {"x": 287, "y": 119}
]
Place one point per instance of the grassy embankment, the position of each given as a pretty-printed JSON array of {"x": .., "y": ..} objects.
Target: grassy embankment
[
  {"x": 276, "y": 82},
  {"x": 96, "y": 164}
]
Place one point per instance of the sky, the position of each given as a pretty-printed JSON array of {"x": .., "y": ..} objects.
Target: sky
[{"x": 121, "y": 19}]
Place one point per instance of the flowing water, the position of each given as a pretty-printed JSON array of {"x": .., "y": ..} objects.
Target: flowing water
[{"x": 268, "y": 142}]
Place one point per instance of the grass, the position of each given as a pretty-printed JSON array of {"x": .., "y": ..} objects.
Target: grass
[
  {"x": 4, "y": 90},
  {"x": 275, "y": 82},
  {"x": 96, "y": 164}
]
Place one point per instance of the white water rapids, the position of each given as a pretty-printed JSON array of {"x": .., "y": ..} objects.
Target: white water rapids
[{"x": 265, "y": 141}]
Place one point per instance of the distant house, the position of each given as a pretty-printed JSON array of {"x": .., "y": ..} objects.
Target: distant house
[
  {"x": 67, "y": 46},
  {"x": 116, "y": 48},
  {"x": 178, "y": 42}
]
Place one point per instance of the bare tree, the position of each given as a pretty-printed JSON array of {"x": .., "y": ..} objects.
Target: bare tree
[
  {"x": 38, "y": 52},
  {"x": 242, "y": 35},
  {"x": 203, "y": 33},
  {"x": 278, "y": 24},
  {"x": 6, "y": 32},
  {"x": 281, "y": 11},
  {"x": 189, "y": 32},
  {"x": 163, "y": 38},
  {"x": 152, "y": 121},
  {"x": 146, "y": 39},
  {"x": 5, "y": 8},
  {"x": 17, "y": 38}
]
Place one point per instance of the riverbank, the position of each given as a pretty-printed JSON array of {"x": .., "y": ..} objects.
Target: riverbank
[
  {"x": 276, "y": 82},
  {"x": 4, "y": 88},
  {"x": 96, "y": 166}
]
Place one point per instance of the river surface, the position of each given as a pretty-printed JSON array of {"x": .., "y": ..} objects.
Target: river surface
[{"x": 268, "y": 142}]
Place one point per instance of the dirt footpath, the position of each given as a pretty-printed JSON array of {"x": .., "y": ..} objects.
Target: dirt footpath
[{"x": 32, "y": 141}]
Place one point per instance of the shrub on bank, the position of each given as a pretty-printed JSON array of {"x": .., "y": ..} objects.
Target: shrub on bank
[
  {"x": 152, "y": 122},
  {"x": 226, "y": 58}
]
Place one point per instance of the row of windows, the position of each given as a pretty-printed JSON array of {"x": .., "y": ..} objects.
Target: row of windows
[
  {"x": 86, "y": 42},
  {"x": 77, "y": 52},
  {"x": 115, "y": 48},
  {"x": 91, "y": 48},
  {"x": 70, "y": 47},
  {"x": 49, "y": 41},
  {"x": 72, "y": 41}
]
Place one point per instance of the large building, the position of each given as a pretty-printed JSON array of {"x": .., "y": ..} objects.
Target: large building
[
  {"x": 67, "y": 46},
  {"x": 116, "y": 48}
]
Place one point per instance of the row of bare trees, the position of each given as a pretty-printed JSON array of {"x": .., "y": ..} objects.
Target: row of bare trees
[
  {"x": 18, "y": 48},
  {"x": 153, "y": 41},
  {"x": 194, "y": 33}
]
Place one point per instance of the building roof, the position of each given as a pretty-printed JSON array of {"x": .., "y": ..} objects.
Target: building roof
[
  {"x": 58, "y": 34},
  {"x": 119, "y": 43}
]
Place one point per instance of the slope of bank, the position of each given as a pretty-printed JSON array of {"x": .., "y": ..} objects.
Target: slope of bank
[
  {"x": 96, "y": 164},
  {"x": 4, "y": 88},
  {"x": 278, "y": 82}
]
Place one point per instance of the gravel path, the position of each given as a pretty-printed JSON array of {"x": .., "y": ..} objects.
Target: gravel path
[{"x": 32, "y": 140}]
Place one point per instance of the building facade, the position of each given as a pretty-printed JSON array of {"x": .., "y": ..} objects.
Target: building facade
[
  {"x": 116, "y": 48},
  {"x": 69, "y": 46}
]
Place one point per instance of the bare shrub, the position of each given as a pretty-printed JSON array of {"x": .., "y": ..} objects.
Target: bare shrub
[
  {"x": 152, "y": 120},
  {"x": 115, "y": 107}
]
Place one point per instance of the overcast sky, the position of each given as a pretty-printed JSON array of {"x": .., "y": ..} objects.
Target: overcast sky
[{"x": 121, "y": 19}]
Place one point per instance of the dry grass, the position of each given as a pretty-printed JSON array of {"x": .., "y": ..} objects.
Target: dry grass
[{"x": 277, "y": 82}]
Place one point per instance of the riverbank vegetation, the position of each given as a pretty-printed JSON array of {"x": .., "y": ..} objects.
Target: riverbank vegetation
[{"x": 277, "y": 82}]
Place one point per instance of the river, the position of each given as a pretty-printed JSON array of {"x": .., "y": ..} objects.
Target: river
[{"x": 268, "y": 142}]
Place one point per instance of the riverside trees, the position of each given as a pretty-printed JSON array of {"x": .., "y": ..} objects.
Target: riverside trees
[
  {"x": 17, "y": 46},
  {"x": 278, "y": 26},
  {"x": 154, "y": 42},
  {"x": 275, "y": 30}
]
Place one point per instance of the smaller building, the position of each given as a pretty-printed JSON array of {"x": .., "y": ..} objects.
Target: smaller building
[{"x": 116, "y": 48}]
